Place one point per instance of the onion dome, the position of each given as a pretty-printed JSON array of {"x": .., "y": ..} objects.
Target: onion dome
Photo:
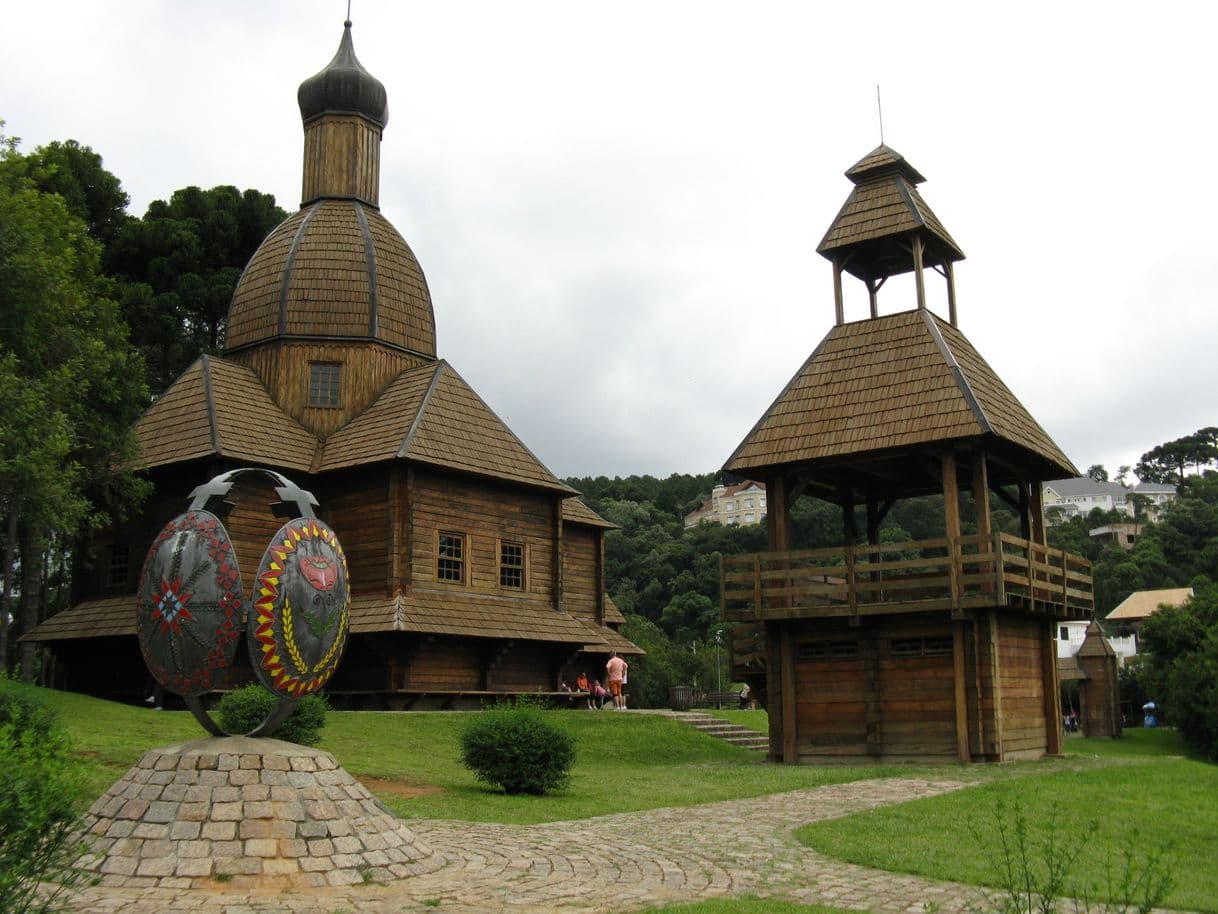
[
  {"x": 344, "y": 87},
  {"x": 336, "y": 269}
]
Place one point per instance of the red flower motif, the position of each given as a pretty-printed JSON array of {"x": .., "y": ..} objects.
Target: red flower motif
[
  {"x": 170, "y": 606},
  {"x": 319, "y": 571}
]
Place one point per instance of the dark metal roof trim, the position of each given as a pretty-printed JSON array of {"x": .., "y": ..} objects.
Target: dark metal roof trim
[
  {"x": 408, "y": 438},
  {"x": 370, "y": 256},
  {"x": 205, "y": 369},
  {"x": 966, "y": 389},
  {"x": 287, "y": 268}
]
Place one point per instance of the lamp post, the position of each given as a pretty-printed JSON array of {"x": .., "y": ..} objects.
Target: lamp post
[{"x": 718, "y": 661}]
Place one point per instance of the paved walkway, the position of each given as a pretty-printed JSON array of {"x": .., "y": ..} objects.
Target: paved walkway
[{"x": 616, "y": 863}]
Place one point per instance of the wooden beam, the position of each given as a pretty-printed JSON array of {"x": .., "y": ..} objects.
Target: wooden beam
[
  {"x": 790, "y": 741},
  {"x": 871, "y": 692},
  {"x": 950, "y": 272},
  {"x": 1053, "y": 695},
  {"x": 919, "y": 273},
  {"x": 961, "y": 693},
  {"x": 850, "y": 530},
  {"x": 774, "y": 688},
  {"x": 778, "y": 513},
  {"x": 1036, "y": 511},
  {"x": 981, "y": 502},
  {"x": 951, "y": 518},
  {"x": 873, "y": 302},
  {"x": 838, "y": 300}
]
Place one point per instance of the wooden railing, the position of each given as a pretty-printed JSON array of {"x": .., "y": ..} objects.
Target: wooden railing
[{"x": 920, "y": 576}]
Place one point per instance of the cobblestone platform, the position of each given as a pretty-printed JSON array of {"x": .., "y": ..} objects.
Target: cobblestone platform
[
  {"x": 615, "y": 863},
  {"x": 249, "y": 814}
]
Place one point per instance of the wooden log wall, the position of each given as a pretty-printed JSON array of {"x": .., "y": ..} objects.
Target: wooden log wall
[
  {"x": 284, "y": 367},
  {"x": 1021, "y": 680},
  {"x": 359, "y": 508},
  {"x": 445, "y": 664},
  {"x": 342, "y": 158},
  {"x": 581, "y": 586},
  {"x": 485, "y": 513},
  {"x": 525, "y": 666}
]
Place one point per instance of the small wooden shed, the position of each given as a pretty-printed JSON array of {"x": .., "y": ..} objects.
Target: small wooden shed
[
  {"x": 937, "y": 649},
  {"x": 474, "y": 570}
]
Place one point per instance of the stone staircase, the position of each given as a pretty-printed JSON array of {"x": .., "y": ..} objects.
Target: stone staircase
[{"x": 735, "y": 734}]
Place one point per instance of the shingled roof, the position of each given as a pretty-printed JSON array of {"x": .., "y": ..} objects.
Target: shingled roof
[
  {"x": 218, "y": 408},
  {"x": 103, "y": 618},
  {"x": 431, "y": 415},
  {"x": 461, "y": 613},
  {"x": 890, "y": 382},
  {"x": 574, "y": 511},
  {"x": 882, "y": 210}
]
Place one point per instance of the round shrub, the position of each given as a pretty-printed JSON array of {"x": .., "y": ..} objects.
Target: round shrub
[
  {"x": 517, "y": 749},
  {"x": 241, "y": 710}
]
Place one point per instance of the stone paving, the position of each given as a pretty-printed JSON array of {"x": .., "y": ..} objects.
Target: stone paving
[{"x": 618, "y": 863}]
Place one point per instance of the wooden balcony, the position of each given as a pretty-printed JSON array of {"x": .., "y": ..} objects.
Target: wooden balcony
[{"x": 954, "y": 574}]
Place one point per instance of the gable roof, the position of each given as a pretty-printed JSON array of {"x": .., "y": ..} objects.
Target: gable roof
[
  {"x": 574, "y": 511},
  {"x": 1082, "y": 486},
  {"x": 219, "y": 408},
  {"x": 1143, "y": 603},
  {"x": 429, "y": 414},
  {"x": 890, "y": 382}
]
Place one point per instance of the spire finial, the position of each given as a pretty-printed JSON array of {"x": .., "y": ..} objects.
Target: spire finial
[
  {"x": 347, "y": 24},
  {"x": 879, "y": 107}
]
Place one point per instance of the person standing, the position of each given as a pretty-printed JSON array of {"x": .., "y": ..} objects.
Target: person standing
[{"x": 616, "y": 670}]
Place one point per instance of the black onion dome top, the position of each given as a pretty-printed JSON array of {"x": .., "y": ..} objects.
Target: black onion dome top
[{"x": 344, "y": 87}]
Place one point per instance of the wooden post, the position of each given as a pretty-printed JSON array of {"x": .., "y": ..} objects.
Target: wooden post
[
  {"x": 556, "y": 554},
  {"x": 950, "y": 272},
  {"x": 874, "y": 302},
  {"x": 1025, "y": 512},
  {"x": 919, "y": 275},
  {"x": 871, "y": 693},
  {"x": 996, "y": 685},
  {"x": 1053, "y": 695},
  {"x": 981, "y": 499},
  {"x": 757, "y": 589},
  {"x": 850, "y": 529},
  {"x": 951, "y": 518},
  {"x": 839, "y": 303},
  {"x": 778, "y": 515},
  {"x": 1036, "y": 510},
  {"x": 773, "y": 687},
  {"x": 961, "y": 693},
  {"x": 790, "y": 742}
]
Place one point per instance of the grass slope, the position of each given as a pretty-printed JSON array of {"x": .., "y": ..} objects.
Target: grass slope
[{"x": 1140, "y": 794}]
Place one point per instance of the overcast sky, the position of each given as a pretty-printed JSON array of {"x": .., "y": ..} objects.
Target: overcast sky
[{"x": 617, "y": 206}]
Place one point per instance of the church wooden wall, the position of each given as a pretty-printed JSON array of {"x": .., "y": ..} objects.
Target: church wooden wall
[
  {"x": 284, "y": 367},
  {"x": 525, "y": 665},
  {"x": 581, "y": 581},
  {"x": 485, "y": 513},
  {"x": 358, "y": 506}
]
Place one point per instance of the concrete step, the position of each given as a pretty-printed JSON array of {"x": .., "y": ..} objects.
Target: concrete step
[{"x": 735, "y": 734}]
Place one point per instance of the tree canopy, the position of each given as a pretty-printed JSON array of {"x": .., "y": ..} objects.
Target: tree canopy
[{"x": 1169, "y": 463}]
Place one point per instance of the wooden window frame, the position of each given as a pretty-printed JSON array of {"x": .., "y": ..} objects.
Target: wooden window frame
[
  {"x": 503, "y": 544},
  {"x": 443, "y": 573},
  {"x": 325, "y": 389},
  {"x": 118, "y": 565}
]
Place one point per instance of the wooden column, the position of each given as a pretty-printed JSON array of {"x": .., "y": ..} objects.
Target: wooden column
[
  {"x": 996, "y": 684},
  {"x": 1053, "y": 695},
  {"x": 873, "y": 289},
  {"x": 774, "y": 687},
  {"x": 961, "y": 693},
  {"x": 981, "y": 499},
  {"x": 1025, "y": 514},
  {"x": 919, "y": 273},
  {"x": 1036, "y": 511},
  {"x": 790, "y": 729},
  {"x": 874, "y": 734},
  {"x": 950, "y": 272},
  {"x": 951, "y": 519},
  {"x": 850, "y": 529},
  {"x": 839, "y": 303},
  {"x": 874, "y": 518},
  {"x": 778, "y": 513}
]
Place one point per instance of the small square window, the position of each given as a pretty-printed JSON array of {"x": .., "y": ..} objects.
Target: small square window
[
  {"x": 450, "y": 558},
  {"x": 118, "y": 566},
  {"x": 324, "y": 383},
  {"x": 511, "y": 565},
  {"x": 1064, "y": 633}
]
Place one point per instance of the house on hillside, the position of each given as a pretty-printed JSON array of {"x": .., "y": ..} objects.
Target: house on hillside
[
  {"x": 1071, "y": 634},
  {"x": 741, "y": 504},
  {"x": 1080, "y": 495},
  {"x": 474, "y": 571},
  {"x": 1140, "y": 605}
]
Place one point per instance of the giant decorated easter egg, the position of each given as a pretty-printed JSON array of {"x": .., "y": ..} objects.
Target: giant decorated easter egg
[
  {"x": 298, "y": 621},
  {"x": 189, "y": 604}
]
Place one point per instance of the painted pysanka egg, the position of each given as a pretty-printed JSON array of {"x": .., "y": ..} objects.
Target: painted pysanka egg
[
  {"x": 298, "y": 623},
  {"x": 189, "y": 604}
]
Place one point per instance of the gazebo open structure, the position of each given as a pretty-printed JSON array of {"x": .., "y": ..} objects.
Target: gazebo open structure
[{"x": 935, "y": 649}]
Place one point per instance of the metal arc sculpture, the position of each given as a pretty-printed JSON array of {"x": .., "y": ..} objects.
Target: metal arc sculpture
[{"x": 192, "y": 609}]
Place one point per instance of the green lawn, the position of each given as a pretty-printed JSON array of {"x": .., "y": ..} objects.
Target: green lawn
[
  {"x": 627, "y": 762},
  {"x": 1142, "y": 790}
]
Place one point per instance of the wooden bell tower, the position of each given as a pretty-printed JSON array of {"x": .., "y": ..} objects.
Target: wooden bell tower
[{"x": 934, "y": 649}]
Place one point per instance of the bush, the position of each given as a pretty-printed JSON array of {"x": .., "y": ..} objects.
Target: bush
[
  {"x": 517, "y": 749},
  {"x": 37, "y": 814},
  {"x": 243, "y": 709}
]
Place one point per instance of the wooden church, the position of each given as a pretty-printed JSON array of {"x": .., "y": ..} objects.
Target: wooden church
[
  {"x": 936, "y": 649},
  {"x": 474, "y": 570}
]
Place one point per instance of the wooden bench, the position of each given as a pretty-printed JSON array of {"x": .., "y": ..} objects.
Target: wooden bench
[
  {"x": 719, "y": 699},
  {"x": 438, "y": 699}
]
